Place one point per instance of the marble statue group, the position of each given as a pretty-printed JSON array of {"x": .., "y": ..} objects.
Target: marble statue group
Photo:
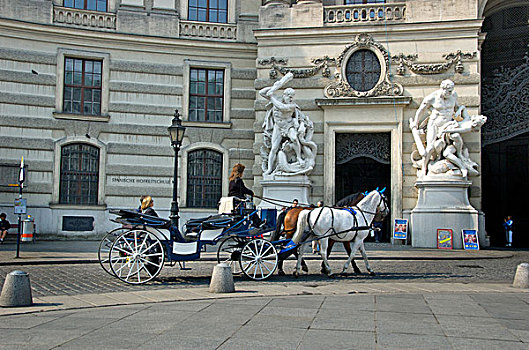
[
  {"x": 445, "y": 152},
  {"x": 287, "y": 148}
]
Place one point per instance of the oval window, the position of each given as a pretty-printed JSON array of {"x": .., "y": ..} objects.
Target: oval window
[{"x": 363, "y": 70}]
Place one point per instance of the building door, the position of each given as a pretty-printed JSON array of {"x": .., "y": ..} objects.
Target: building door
[
  {"x": 505, "y": 135},
  {"x": 363, "y": 164}
]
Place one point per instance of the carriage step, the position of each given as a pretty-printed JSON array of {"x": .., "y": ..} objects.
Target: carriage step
[{"x": 183, "y": 266}]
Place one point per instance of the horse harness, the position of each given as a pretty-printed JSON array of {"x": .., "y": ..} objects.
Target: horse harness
[{"x": 352, "y": 211}]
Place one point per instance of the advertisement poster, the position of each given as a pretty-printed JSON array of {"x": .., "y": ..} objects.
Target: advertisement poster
[
  {"x": 400, "y": 229},
  {"x": 444, "y": 238},
  {"x": 470, "y": 239}
]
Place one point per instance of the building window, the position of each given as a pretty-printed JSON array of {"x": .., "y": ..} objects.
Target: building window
[
  {"x": 204, "y": 178},
  {"x": 79, "y": 174},
  {"x": 363, "y": 70},
  {"x": 208, "y": 11},
  {"x": 92, "y": 5},
  {"x": 82, "y": 86},
  {"x": 206, "y": 94},
  {"x": 359, "y": 2}
]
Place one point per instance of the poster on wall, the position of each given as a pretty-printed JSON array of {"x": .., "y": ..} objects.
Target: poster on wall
[
  {"x": 444, "y": 238},
  {"x": 470, "y": 239},
  {"x": 400, "y": 229}
]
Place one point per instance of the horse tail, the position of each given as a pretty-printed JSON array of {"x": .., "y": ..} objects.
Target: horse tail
[{"x": 301, "y": 225}]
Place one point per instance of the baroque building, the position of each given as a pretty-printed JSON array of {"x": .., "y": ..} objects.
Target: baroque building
[{"x": 89, "y": 87}]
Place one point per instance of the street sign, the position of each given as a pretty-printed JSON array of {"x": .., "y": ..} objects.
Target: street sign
[{"x": 20, "y": 206}]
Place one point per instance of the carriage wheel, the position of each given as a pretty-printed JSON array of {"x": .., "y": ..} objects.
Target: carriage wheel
[
  {"x": 229, "y": 253},
  {"x": 258, "y": 259},
  {"x": 104, "y": 248},
  {"x": 136, "y": 256}
]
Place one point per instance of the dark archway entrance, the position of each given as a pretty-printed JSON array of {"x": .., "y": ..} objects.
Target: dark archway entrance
[
  {"x": 363, "y": 164},
  {"x": 505, "y": 136}
]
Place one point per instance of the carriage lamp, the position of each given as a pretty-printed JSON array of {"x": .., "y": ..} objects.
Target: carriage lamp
[{"x": 176, "y": 132}]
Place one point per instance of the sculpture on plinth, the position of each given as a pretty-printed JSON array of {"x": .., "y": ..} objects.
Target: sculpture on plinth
[
  {"x": 287, "y": 148},
  {"x": 444, "y": 152}
]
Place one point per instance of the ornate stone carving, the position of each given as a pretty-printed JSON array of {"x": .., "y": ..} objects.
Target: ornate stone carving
[
  {"x": 321, "y": 63},
  {"x": 372, "y": 145},
  {"x": 453, "y": 59},
  {"x": 505, "y": 99},
  {"x": 384, "y": 87},
  {"x": 287, "y": 148},
  {"x": 444, "y": 152}
]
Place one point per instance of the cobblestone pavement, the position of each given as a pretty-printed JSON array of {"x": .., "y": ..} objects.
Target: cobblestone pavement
[{"x": 73, "y": 279}]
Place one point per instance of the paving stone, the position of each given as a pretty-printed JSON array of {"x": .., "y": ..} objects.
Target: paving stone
[{"x": 472, "y": 344}]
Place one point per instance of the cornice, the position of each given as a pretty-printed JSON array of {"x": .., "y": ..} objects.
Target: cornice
[{"x": 85, "y": 37}]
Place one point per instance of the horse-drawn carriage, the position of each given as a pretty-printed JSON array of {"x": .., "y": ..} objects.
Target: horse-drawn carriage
[{"x": 136, "y": 252}]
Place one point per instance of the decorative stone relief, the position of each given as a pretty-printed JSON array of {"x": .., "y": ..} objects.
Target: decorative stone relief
[
  {"x": 505, "y": 99},
  {"x": 453, "y": 59},
  {"x": 372, "y": 145},
  {"x": 208, "y": 30},
  {"x": 384, "y": 86},
  {"x": 93, "y": 19},
  {"x": 361, "y": 13},
  {"x": 321, "y": 63}
]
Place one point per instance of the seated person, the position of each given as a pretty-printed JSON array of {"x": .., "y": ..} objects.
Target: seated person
[
  {"x": 147, "y": 206},
  {"x": 4, "y": 226},
  {"x": 238, "y": 189}
]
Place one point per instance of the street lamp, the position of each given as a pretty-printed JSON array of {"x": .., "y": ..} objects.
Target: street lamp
[{"x": 176, "y": 132}]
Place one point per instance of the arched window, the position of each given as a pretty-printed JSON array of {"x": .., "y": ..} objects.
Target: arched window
[
  {"x": 204, "y": 178},
  {"x": 363, "y": 70},
  {"x": 79, "y": 174}
]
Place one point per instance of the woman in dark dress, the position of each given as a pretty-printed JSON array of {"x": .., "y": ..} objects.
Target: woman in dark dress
[
  {"x": 238, "y": 189},
  {"x": 147, "y": 206}
]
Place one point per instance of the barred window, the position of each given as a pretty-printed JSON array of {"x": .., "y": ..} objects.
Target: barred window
[
  {"x": 204, "y": 178},
  {"x": 79, "y": 174},
  {"x": 206, "y": 94},
  {"x": 208, "y": 11},
  {"x": 363, "y": 70},
  {"x": 92, "y": 5},
  {"x": 82, "y": 86}
]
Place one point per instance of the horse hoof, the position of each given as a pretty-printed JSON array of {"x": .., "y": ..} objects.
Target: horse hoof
[
  {"x": 281, "y": 273},
  {"x": 305, "y": 268},
  {"x": 296, "y": 274},
  {"x": 371, "y": 273},
  {"x": 358, "y": 272},
  {"x": 331, "y": 275}
]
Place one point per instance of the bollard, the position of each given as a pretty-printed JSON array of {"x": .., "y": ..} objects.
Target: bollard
[
  {"x": 16, "y": 290},
  {"x": 521, "y": 278},
  {"x": 222, "y": 279}
]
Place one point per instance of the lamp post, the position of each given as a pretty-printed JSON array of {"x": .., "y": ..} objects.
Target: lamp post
[{"x": 176, "y": 132}]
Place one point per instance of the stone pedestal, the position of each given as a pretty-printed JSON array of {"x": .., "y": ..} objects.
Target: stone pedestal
[
  {"x": 285, "y": 188},
  {"x": 442, "y": 203}
]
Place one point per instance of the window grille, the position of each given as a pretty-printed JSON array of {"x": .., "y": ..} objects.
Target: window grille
[
  {"x": 208, "y": 11},
  {"x": 92, "y": 5},
  {"x": 79, "y": 174},
  {"x": 206, "y": 95},
  {"x": 204, "y": 178},
  {"x": 82, "y": 86},
  {"x": 363, "y": 70}
]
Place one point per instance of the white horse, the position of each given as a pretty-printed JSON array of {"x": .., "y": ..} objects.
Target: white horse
[{"x": 342, "y": 226}]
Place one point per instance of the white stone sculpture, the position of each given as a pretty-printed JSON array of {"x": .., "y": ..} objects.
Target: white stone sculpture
[
  {"x": 445, "y": 152},
  {"x": 288, "y": 147}
]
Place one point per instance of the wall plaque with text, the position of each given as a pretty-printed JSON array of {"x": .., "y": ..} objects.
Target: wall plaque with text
[{"x": 77, "y": 223}]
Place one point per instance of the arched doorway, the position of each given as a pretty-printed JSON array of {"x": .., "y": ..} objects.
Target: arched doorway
[
  {"x": 505, "y": 136},
  {"x": 363, "y": 164}
]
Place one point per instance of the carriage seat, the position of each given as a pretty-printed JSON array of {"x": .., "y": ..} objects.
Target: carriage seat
[
  {"x": 211, "y": 222},
  {"x": 226, "y": 205},
  {"x": 132, "y": 217}
]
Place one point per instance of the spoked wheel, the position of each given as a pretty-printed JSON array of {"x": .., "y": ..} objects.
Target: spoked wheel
[
  {"x": 229, "y": 253},
  {"x": 258, "y": 259},
  {"x": 104, "y": 248},
  {"x": 136, "y": 256}
]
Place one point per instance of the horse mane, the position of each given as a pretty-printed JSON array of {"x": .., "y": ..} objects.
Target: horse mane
[{"x": 350, "y": 200}]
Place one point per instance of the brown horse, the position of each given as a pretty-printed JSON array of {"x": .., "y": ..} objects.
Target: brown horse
[{"x": 287, "y": 222}]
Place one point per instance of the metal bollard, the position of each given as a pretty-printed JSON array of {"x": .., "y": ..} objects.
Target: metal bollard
[
  {"x": 16, "y": 290},
  {"x": 521, "y": 278},
  {"x": 222, "y": 279}
]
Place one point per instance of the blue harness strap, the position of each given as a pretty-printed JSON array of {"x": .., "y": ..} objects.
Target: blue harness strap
[{"x": 350, "y": 210}]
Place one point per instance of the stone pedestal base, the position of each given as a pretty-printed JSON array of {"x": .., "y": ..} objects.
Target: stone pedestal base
[
  {"x": 285, "y": 188},
  {"x": 442, "y": 203}
]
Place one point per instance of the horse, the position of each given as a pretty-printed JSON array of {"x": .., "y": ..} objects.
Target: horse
[
  {"x": 287, "y": 223},
  {"x": 343, "y": 226}
]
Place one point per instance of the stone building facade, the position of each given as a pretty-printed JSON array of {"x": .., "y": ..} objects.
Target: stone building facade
[{"x": 361, "y": 69}]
